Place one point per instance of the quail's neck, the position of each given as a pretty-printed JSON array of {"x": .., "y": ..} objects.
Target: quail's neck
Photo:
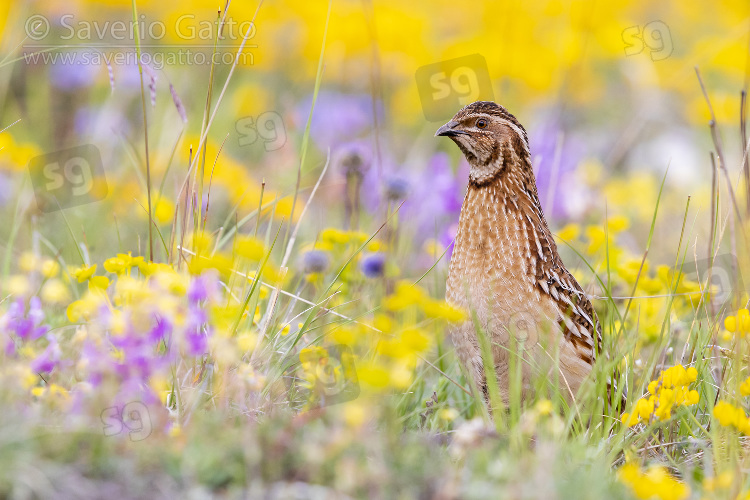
[{"x": 503, "y": 218}]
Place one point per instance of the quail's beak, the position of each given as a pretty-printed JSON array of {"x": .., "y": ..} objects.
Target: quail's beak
[{"x": 449, "y": 130}]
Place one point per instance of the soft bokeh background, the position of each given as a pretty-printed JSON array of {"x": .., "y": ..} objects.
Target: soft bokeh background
[
  {"x": 609, "y": 95},
  {"x": 561, "y": 67}
]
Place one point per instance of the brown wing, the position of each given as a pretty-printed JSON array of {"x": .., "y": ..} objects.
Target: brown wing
[{"x": 576, "y": 316}]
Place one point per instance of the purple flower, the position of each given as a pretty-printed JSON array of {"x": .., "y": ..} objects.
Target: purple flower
[
  {"x": 26, "y": 326},
  {"x": 202, "y": 288},
  {"x": 396, "y": 188},
  {"x": 161, "y": 329},
  {"x": 74, "y": 73},
  {"x": 337, "y": 117},
  {"x": 353, "y": 158},
  {"x": 197, "y": 342},
  {"x": 196, "y": 330},
  {"x": 314, "y": 261},
  {"x": 433, "y": 195},
  {"x": 49, "y": 358},
  {"x": 373, "y": 265},
  {"x": 555, "y": 157}
]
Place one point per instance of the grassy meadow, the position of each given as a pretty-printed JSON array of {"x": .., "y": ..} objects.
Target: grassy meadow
[{"x": 225, "y": 231}]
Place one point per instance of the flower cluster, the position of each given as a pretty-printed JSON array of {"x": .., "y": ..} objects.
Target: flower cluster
[
  {"x": 669, "y": 390},
  {"x": 661, "y": 290},
  {"x": 655, "y": 482},
  {"x": 738, "y": 324},
  {"x": 729, "y": 415},
  {"x": 399, "y": 335}
]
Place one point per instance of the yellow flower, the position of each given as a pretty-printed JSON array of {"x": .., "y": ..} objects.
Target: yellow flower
[
  {"x": 83, "y": 273},
  {"x": 28, "y": 262},
  {"x": 55, "y": 291},
  {"x": 655, "y": 482},
  {"x": 18, "y": 284},
  {"x": 729, "y": 415},
  {"x": 669, "y": 390},
  {"x": 200, "y": 243},
  {"x": 596, "y": 237},
  {"x": 544, "y": 407},
  {"x": 355, "y": 414},
  {"x": 341, "y": 335},
  {"x": 151, "y": 268},
  {"x": 570, "y": 232},
  {"x": 170, "y": 280},
  {"x": 720, "y": 482},
  {"x": 373, "y": 375},
  {"x": 122, "y": 263},
  {"x": 251, "y": 249},
  {"x": 50, "y": 268},
  {"x": 433, "y": 248},
  {"x": 200, "y": 263},
  {"x": 160, "y": 385},
  {"x": 448, "y": 414},
  {"x": 442, "y": 310},
  {"x": 740, "y": 323},
  {"x": 406, "y": 295},
  {"x": 246, "y": 341},
  {"x": 383, "y": 322},
  {"x": 82, "y": 309},
  {"x": 129, "y": 290},
  {"x": 98, "y": 283},
  {"x": 617, "y": 224},
  {"x": 334, "y": 236},
  {"x": 745, "y": 387},
  {"x": 415, "y": 340},
  {"x": 163, "y": 211},
  {"x": 401, "y": 375}
]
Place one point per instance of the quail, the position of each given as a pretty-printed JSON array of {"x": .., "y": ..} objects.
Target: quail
[{"x": 505, "y": 268}]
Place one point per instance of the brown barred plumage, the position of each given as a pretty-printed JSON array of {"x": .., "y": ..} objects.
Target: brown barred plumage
[{"x": 505, "y": 266}]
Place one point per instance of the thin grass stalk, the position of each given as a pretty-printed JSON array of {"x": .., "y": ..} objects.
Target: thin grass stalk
[
  {"x": 145, "y": 129},
  {"x": 306, "y": 135},
  {"x": 202, "y": 142}
]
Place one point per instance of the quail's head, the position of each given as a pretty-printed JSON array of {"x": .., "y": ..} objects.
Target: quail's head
[{"x": 491, "y": 139}]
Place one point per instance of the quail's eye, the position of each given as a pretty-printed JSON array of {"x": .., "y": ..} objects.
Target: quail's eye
[{"x": 481, "y": 123}]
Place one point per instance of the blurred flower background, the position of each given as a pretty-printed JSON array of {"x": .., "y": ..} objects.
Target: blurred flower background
[{"x": 223, "y": 268}]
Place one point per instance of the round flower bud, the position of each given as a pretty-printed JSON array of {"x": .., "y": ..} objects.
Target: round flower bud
[
  {"x": 314, "y": 261},
  {"x": 373, "y": 265},
  {"x": 396, "y": 189}
]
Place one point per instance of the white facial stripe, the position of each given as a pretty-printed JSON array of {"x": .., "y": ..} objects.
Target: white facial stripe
[
  {"x": 510, "y": 124},
  {"x": 520, "y": 134}
]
